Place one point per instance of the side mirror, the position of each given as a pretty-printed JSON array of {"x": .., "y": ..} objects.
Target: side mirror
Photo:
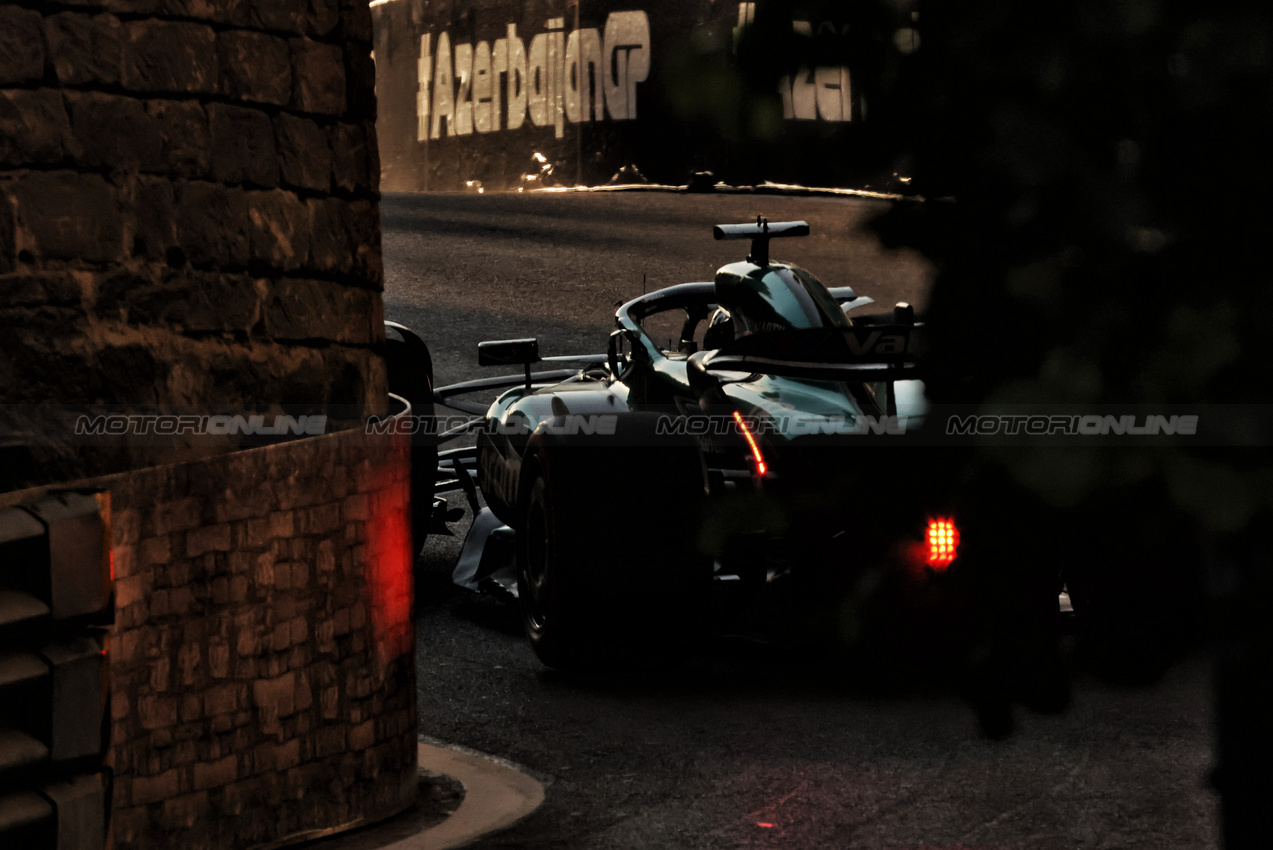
[
  {"x": 613, "y": 350},
  {"x": 701, "y": 381},
  {"x": 508, "y": 352}
]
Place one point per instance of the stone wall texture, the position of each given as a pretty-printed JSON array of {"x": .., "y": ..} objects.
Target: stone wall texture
[
  {"x": 189, "y": 209},
  {"x": 262, "y": 658}
]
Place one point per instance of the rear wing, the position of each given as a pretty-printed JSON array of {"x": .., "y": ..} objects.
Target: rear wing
[
  {"x": 883, "y": 352},
  {"x": 760, "y": 233}
]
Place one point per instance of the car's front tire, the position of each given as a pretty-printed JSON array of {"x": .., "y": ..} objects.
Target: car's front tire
[{"x": 410, "y": 374}]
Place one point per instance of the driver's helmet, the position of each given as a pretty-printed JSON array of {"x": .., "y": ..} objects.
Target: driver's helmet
[
  {"x": 776, "y": 298},
  {"x": 720, "y": 330}
]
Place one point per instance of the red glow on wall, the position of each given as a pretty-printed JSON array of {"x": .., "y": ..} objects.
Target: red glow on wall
[{"x": 389, "y": 563}]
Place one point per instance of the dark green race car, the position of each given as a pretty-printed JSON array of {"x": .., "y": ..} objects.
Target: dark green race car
[{"x": 741, "y": 441}]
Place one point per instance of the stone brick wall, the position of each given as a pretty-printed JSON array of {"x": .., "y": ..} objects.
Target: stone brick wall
[
  {"x": 188, "y": 211},
  {"x": 262, "y": 658}
]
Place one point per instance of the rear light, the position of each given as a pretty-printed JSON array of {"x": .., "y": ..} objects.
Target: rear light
[
  {"x": 761, "y": 468},
  {"x": 942, "y": 542}
]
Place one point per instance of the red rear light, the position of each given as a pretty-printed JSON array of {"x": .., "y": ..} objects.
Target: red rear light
[
  {"x": 761, "y": 468},
  {"x": 942, "y": 542}
]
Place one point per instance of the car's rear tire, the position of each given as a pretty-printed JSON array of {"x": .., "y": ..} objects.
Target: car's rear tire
[{"x": 608, "y": 567}]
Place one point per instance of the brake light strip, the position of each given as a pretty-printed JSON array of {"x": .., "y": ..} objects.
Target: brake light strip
[{"x": 761, "y": 467}]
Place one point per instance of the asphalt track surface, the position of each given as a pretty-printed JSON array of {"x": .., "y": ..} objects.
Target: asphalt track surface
[{"x": 745, "y": 745}]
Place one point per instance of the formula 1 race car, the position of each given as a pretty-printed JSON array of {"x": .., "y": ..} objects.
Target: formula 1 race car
[{"x": 757, "y": 454}]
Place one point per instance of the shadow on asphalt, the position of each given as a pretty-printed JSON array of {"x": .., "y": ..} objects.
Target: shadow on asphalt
[
  {"x": 941, "y": 664},
  {"x": 731, "y": 667},
  {"x": 498, "y": 615},
  {"x": 723, "y": 666},
  {"x": 747, "y": 668}
]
